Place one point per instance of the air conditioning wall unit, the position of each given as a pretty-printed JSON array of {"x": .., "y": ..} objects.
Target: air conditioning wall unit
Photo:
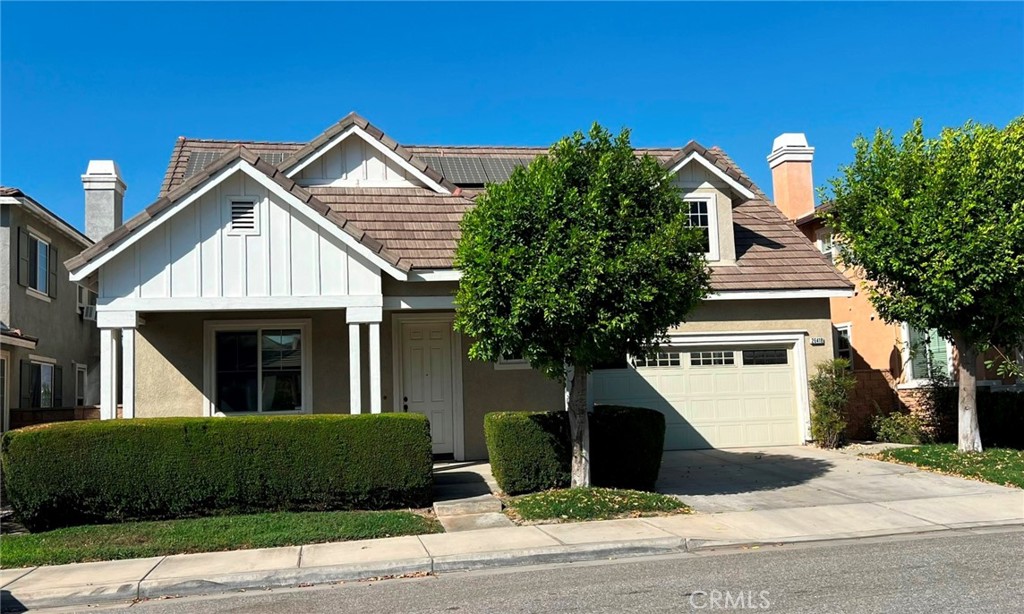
[{"x": 89, "y": 312}]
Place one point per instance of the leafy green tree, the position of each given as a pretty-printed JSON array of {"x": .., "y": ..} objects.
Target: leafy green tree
[
  {"x": 936, "y": 226},
  {"x": 583, "y": 256}
]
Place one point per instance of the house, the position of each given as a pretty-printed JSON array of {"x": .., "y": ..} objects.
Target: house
[
  {"x": 280, "y": 278},
  {"x": 894, "y": 363},
  {"x": 49, "y": 345}
]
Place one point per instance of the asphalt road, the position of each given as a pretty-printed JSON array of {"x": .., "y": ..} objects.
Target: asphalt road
[{"x": 982, "y": 572}]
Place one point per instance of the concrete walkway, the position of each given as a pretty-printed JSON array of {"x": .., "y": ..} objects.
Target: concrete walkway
[{"x": 464, "y": 497}]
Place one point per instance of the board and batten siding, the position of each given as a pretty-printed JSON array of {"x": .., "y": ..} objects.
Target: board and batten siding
[
  {"x": 354, "y": 162},
  {"x": 195, "y": 254}
]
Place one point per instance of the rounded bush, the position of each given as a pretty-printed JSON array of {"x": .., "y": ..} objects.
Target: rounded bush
[
  {"x": 531, "y": 451},
  {"x": 158, "y": 468}
]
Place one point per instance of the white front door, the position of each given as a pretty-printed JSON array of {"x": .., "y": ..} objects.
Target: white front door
[{"x": 427, "y": 378}]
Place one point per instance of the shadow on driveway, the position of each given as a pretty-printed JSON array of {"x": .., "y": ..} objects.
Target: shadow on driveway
[{"x": 722, "y": 472}]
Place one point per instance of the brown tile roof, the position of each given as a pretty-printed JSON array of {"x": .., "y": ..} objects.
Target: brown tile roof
[
  {"x": 772, "y": 254},
  {"x": 197, "y": 180},
  {"x": 9, "y": 191},
  {"x": 419, "y": 228}
]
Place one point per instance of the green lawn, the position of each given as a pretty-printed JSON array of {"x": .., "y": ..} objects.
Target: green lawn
[
  {"x": 142, "y": 539},
  {"x": 999, "y": 465},
  {"x": 592, "y": 504}
]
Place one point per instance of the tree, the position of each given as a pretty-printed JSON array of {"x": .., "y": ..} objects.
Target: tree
[
  {"x": 936, "y": 226},
  {"x": 581, "y": 257}
]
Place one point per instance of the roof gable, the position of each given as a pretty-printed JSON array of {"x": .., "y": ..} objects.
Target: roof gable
[
  {"x": 236, "y": 159},
  {"x": 353, "y": 125}
]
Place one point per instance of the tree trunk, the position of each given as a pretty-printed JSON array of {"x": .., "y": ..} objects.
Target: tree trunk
[
  {"x": 969, "y": 435},
  {"x": 579, "y": 425}
]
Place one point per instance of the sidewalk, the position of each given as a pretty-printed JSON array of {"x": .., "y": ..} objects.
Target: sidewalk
[{"x": 192, "y": 574}]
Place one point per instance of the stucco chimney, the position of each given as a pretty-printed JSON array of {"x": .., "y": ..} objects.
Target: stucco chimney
[
  {"x": 792, "y": 185},
  {"x": 104, "y": 198}
]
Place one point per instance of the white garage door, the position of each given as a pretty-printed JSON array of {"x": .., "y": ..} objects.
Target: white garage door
[{"x": 713, "y": 397}]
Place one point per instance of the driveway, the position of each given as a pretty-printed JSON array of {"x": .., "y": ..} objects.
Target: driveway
[{"x": 798, "y": 476}]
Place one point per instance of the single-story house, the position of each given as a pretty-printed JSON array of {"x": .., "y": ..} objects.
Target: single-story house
[{"x": 281, "y": 278}]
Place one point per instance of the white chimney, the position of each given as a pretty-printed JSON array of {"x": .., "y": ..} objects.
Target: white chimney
[
  {"x": 792, "y": 184},
  {"x": 104, "y": 198}
]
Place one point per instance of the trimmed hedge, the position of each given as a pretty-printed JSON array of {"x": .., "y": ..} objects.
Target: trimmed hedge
[
  {"x": 1000, "y": 416},
  {"x": 531, "y": 451},
  {"x": 159, "y": 468}
]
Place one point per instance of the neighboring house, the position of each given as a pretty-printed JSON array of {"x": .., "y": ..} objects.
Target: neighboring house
[
  {"x": 893, "y": 363},
  {"x": 49, "y": 343},
  {"x": 281, "y": 278}
]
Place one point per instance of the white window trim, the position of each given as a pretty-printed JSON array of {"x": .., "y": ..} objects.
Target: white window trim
[
  {"x": 257, "y": 208},
  {"x": 80, "y": 394},
  {"x": 819, "y": 241},
  {"x": 210, "y": 329},
  {"x": 714, "y": 238},
  {"x": 917, "y": 382},
  {"x": 82, "y": 290},
  {"x": 512, "y": 364},
  {"x": 848, "y": 327}
]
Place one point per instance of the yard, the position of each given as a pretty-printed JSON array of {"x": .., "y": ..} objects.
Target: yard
[
  {"x": 1003, "y": 466},
  {"x": 157, "y": 538}
]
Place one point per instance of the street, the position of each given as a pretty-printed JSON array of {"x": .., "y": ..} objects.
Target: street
[{"x": 978, "y": 572}]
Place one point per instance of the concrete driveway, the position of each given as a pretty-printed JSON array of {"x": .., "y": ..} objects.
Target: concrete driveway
[{"x": 798, "y": 476}]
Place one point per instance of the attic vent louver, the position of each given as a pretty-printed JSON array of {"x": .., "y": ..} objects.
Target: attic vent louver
[{"x": 243, "y": 217}]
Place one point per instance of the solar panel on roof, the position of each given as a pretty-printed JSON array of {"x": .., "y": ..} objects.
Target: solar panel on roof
[
  {"x": 199, "y": 160},
  {"x": 474, "y": 170}
]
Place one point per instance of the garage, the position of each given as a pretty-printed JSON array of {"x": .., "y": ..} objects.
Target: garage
[{"x": 712, "y": 396}]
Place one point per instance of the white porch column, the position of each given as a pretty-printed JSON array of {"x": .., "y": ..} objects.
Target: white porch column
[
  {"x": 127, "y": 372},
  {"x": 355, "y": 394},
  {"x": 108, "y": 374},
  {"x": 374, "y": 330}
]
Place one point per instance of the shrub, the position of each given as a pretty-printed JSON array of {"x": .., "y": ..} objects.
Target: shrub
[
  {"x": 831, "y": 385},
  {"x": 898, "y": 427},
  {"x": 626, "y": 445},
  {"x": 117, "y": 470},
  {"x": 530, "y": 451}
]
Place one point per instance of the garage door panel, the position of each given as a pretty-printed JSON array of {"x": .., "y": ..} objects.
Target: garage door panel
[{"x": 711, "y": 405}]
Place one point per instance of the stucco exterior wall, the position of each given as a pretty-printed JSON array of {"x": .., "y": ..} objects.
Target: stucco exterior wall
[
  {"x": 169, "y": 360},
  {"x": 63, "y": 335}
]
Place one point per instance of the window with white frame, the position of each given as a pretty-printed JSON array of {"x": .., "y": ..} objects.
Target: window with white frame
[
  {"x": 702, "y": 213},
  {"x": 259, "y": 368},
  {"x": 929, "y": 354},
  {"x": 511, "y": 364},
  {"x": 37, "y": 263},
  {"x": 81, "y": 381},
  {"x": 843, "y": 344},
  {"x": 825, "y": 244},
  {"x": 41, "y": 384}
]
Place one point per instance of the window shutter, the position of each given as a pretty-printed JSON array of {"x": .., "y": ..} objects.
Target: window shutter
[
  {"x": 25, "y": 397},
  {"x": 918, "y": 354},
  {"x": 937, "y": 354},
  {"x": 52, "y": 286},
  {"x": 23, "y": 257},
  {"x": 58, "y": 386}
]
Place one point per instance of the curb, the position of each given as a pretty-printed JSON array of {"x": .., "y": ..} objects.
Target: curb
[{"x": 286, "y": 578}]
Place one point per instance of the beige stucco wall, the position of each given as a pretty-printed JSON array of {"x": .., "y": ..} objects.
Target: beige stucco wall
[
  {"x": 169, "y": 360},
  {"x": 758, "y": 316}
]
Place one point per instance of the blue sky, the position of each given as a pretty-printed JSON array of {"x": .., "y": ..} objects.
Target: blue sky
[{"x": 123, "y": 80}]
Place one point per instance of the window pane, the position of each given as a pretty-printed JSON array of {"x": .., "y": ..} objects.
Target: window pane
[
  {"x": 79, "y": 386},
  {"x": 705, "y": 359},
  {"x": 282, "y": 370},
  {"x": 42, "y": 265},
  {"x": 237, "y": 387},
  {"x": 765, "y": 357},
  {"x": 45, "y": 385},
  {"x": 699, "y": 218}
]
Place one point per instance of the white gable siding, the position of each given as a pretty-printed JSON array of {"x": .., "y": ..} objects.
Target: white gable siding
[
  {"x": 694, "y": 175},
  {"x": 194, "y": 255},
  {"x": 354, "y": 162}
]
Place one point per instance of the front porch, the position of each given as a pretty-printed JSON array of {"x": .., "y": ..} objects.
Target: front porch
[{"x": 279, "y": 362}]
